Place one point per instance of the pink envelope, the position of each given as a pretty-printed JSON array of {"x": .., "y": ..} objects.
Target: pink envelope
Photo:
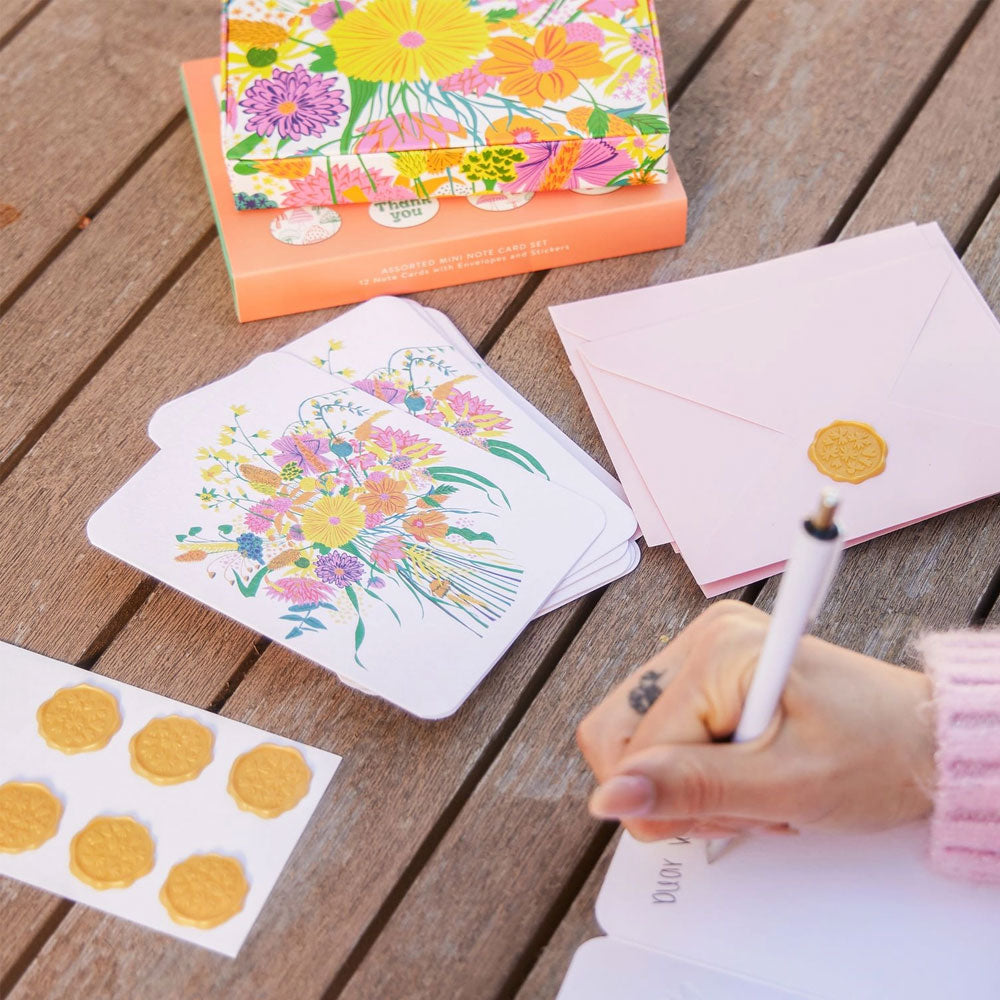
[
  {"x": 581, "y": 322},
  {"x": 716, "y": 409}
]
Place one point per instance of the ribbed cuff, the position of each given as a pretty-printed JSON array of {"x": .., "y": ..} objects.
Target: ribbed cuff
[{"x": 965, "y": 827}]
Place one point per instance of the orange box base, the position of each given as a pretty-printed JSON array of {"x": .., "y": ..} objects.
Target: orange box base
[{"x": 454, "y": 243}]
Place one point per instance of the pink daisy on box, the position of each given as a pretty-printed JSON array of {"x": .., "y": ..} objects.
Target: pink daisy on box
[
  {"x": 417, "y": 131},
  {"x": 471, "y": 81},
  {"x": 597, "y": 164},
  {"x": 296, "y": 103},
  {"x": 349, "y": 184}
]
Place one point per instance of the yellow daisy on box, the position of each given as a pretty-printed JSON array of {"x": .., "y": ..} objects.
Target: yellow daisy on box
[{"x": 389, "y": 41}]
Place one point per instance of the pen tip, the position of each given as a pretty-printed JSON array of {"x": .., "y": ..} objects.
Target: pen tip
[{"x": 829, "y": 501}]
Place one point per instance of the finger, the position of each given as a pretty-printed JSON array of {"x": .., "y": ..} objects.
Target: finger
[
  {"x": 670, "y": 783},
  {"x": 706, "y": 697},
  {"x": 604, "y": 734}
]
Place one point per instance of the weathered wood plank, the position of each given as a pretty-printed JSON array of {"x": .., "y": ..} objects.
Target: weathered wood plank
[
  {"x": 753, "y": 196},
  {"x": 947, "y": 161},
  {"x": 67, "y": 318},
  {"x": 100, "y": 81},
  {"x": 577, "y": 926}
]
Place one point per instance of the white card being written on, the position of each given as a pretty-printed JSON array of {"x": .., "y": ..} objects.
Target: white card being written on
[
  {"x": 606, "y": 967},
  {"x": 189, "y": 818},
  {"x": 355, "y": 534},
  {"x": 834, "y": 916}
]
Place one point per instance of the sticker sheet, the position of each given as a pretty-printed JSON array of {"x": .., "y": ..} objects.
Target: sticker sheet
[{"x": 144, "y": 807}]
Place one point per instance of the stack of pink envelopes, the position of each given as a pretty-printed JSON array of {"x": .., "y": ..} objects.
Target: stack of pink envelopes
[{"x": 727, "y": 402}]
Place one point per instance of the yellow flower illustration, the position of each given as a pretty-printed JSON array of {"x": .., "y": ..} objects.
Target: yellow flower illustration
[
  {"x": 442, "y": 159},
  {"x": 547, "y": 69},
  {"x": 395, "y": 40},
  {"x": 333, "y": 521},
  {"x": 411, "y": 164}
]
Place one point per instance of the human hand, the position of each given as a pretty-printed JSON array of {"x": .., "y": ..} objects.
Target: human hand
[{"x": 851, "y": 746}]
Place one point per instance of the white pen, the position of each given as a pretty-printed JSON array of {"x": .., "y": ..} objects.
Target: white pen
[{"x": 808, "y": 574}]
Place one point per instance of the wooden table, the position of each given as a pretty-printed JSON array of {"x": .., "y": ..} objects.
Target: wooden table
[{"x": 450, "y": 859}]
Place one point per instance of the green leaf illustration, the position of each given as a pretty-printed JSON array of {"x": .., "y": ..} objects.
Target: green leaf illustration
[
  {"x": 242, "y": 148},
  {"x": 250, "y": 589},
  {"x": 362, "y": 91},
  {"x": 450, "y": 474},
  {"x": 245, "y": 168},
  {"x": 504, "y": 449},
  {"x": 225, "y": 529},
  {"x": 472, "y": 536},
  {"x": 326, "y": 60},
  {"x": 597, "y": 123},
  {"x": 648, "y": 124},
  {"x": 302, "y": 562},
  {"x": 504, "y": 14}
]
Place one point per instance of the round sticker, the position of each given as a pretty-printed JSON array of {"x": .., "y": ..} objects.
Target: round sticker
[
  {"x": 300, "y": 227},
  {"x": 497, "y": 201},
  {"x": 403, "y": 214},
  {"x": 599, "y": 190}
]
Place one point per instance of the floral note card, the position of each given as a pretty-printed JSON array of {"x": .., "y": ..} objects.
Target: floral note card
[{"x": 373, "y": 542}]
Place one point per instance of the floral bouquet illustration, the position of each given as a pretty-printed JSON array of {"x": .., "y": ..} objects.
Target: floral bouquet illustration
[
  {"x": 424, "y": 381},
  {"x": 391, "y": 100},
  {"x": 342, "y": 511}
]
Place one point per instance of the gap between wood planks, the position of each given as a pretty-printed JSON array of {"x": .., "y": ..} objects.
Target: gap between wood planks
[{"x": 26, "y": 18}]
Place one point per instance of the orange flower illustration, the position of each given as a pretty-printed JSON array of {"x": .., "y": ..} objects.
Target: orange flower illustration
[
  {"x": 547, "y": 69},
  {"x": 424, "y": 527},
  {"x": 383, "y": 495},
  {"x": 515, "y": 130}
]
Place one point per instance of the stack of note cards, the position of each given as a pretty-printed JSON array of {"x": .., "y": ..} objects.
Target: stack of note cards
[
  {"x": 141, "y": 806},
  {"x": 826, "y": 916},
  {"x": 727, "y": 402},
  {"x": 375, "y": 498}
]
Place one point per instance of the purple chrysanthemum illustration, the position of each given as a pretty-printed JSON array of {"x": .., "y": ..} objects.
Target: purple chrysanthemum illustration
[
  {"x": 339, "y": 568},
  {"x": 296, "y": 103}
]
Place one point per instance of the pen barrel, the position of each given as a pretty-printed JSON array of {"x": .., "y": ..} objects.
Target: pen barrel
[{"x": 803, "y": 585}]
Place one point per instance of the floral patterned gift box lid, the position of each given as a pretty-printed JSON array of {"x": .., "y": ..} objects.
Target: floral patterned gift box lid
[{"x": 390, "y": 100}]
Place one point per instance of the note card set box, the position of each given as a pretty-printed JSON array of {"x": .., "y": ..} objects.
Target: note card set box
[{"x": 285, "y": 260}]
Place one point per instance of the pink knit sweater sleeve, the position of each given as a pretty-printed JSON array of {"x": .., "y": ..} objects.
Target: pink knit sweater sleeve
[{"x": 965, "y": 827}]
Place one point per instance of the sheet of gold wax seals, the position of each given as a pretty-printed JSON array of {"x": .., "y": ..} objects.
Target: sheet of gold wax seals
[{"x": 145, "y": 807}]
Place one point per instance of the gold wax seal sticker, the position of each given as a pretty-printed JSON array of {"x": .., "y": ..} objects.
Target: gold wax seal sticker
[
  {"x": 111, "y": 852},
  {"x": 171, "y": 749},
  {"x": 29, "y": 815},
  {"x": 77, "y": 719},
  {"x": 848, "y": 451},
  {"x": 269, "y": 780},
  {"x": 204, "y": 890}
]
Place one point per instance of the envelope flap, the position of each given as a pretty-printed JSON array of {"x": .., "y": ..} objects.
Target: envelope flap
[{"x": 821, "y": 344}]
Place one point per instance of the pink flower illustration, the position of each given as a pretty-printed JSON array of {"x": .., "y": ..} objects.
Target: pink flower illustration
[
  {"x": 472, "y": 406},
  {"x": 350, "y": 184},
  {"x": 326, "y": 13},
  {"x": 584, "y": 31},
  {"x": 403, "y": 444},
  {"x": 598, "y": 163},
  {"x": 418, "y": 131},
  {"x": 296, "y": 103},
  {"x": 387, "y": 551},
  {"x": 472, "y": 80},
  {"x": 380, "y": 389},
  {"x": 608, "y": 7},
  {"x": 298, "y": 590},
  {"x": 257, "y": 523},
  {"x": 307, "y": 452}
]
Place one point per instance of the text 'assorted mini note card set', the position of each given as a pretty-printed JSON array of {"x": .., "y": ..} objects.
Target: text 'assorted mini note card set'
[
  {"x": 728, "y": 402},
  {"x": 820, "y": 915},
  {"x": 144, "y": 807},
  {"x": 376, "y": 499}
]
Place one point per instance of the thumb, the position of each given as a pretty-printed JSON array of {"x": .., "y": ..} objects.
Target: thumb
[{"x": 694, "y": 781}]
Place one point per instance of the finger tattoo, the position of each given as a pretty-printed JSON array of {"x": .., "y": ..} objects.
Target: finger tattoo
[{"x": 642, "y": 696}]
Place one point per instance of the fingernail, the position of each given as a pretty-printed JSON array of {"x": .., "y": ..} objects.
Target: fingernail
[{"x": 621, "y": 796}]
